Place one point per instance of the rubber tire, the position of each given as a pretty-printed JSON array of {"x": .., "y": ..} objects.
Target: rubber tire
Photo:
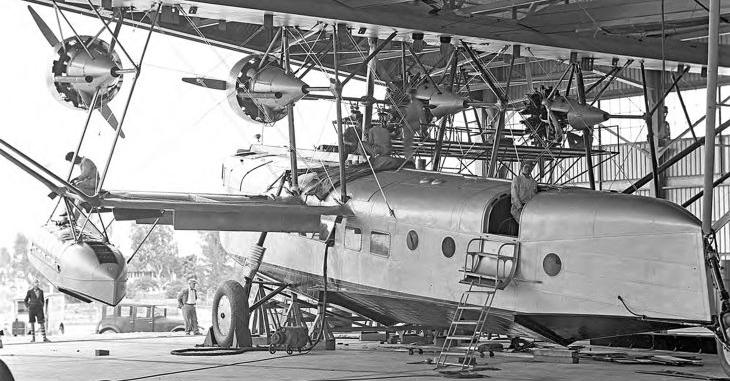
[
  {"x": 107, "y": 331},
  {"x": 5, "y": 373},
  {"x": 724, "y": 357},
  {"x": 238, "y": 299}
]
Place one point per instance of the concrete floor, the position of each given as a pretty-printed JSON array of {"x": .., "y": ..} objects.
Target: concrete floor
[{"x": 147, "y": 357}]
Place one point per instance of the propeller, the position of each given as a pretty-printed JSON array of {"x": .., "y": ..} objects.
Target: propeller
[
  {"x": 260, "y": 89},
  {"x": 80, "y": 70},
  {"x": 45, "y": 30}
]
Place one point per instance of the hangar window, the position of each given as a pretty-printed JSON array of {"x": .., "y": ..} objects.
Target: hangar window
[
  {"x": 380, "y": 243},
  {"x": 499, "y": 220},
  {"x": 353, "y": 238}
]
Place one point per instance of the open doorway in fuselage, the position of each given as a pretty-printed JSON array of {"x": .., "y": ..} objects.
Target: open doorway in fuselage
[{"x": 498, "y": 218}]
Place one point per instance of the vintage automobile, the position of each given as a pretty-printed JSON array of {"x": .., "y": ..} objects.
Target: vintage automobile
[{"x": 139, "y": 318}]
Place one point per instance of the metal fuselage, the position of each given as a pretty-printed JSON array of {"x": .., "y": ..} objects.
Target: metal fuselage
[{"x": 647, "y": 251}]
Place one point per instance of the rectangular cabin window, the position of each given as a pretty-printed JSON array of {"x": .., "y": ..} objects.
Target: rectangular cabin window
[
  {"x": 380, "y": 243},
  {"x": 160, "y": 311},
  {"x": 125, "y": 311},
  {"x": 353, "y": 238},
  {"x": 108, "y": 311},
  {"x": 143, "y": 312}
]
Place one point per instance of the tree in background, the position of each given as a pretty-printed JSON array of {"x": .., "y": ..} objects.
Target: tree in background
[
  {"x": 20, "y": 266},
  {"x": 6, "y": 263},
  {"x": 158, "y": 253},
  {"x": 217, "y": 265}
]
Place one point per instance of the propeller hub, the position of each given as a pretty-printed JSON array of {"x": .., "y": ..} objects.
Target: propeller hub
[
  {"x": 263, "y": 90},
  {"x": 78, "y": 71},
  {"x": 440, "y": 101}
]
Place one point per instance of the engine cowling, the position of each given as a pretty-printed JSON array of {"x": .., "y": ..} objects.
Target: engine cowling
[
  {"x": 78, "y": 72},
  {"x": 260, "y": 91},
  {"x": 441, "y": 103}
]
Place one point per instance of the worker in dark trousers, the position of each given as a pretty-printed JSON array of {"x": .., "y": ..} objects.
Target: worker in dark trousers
[
  {"x": 35, "y": 302},
  {"x": 186, "y": 301}
]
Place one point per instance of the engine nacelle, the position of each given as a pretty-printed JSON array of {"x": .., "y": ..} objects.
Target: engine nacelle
[
  {"x": 580, "y": 117},
  {"x": 441, "y": 104},
  {"x": 262, "y": 92},
  {"x": 78, "y": 72}
]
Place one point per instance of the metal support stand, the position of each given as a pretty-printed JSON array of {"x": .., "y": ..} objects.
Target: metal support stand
[
  {"x": 367, "y": 119},
  {"x": 337, "y": 89},
  {"x": 587, "y": 138},
  {"x": 294, "y": 174},
  {"x": 650, "y": 135},
  {"x": 442, "y": 127}
]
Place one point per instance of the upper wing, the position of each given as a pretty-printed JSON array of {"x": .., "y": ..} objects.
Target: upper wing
[
  {"x": 199, "y": 211},
  {"x": 603, "y": 32},
  {"x": 599, "y": 29}
]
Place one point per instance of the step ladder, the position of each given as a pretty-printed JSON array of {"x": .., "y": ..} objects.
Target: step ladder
[
  {"x": 490, "y": 266},
  {"x": 459, "y": 346}
]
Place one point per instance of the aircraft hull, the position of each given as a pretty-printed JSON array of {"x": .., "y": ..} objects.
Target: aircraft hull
[{"x": 608, "y": 247}]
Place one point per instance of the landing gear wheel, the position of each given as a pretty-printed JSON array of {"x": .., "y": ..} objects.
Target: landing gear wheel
[
  {"x": 272, "y": 348},
  {"x": 724, "y": 354},
  {"x": 289, "y": 350},
  {"x": 230, "y": 314}
]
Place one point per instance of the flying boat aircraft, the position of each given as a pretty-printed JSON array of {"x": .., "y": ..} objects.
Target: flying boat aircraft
[{"x": 396, "y": 244}]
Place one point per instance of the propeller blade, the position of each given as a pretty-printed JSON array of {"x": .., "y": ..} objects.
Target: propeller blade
[
  {"x": 210, "y": 83},
  {"x": 108, "y": 115},
  {"x": 45, "y": 30},
  {"x": 555, "y": 123}
]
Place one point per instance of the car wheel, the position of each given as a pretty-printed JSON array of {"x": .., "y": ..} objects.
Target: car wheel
[
  {"x": 230, "y": 315},
  {"x": 107, "y": 331}
]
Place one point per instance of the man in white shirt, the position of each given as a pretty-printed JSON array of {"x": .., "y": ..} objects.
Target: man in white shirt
[
  {"x": 186, "y": 301},
  {"x": 523, "y": 189},
  {"x": 88, "y": 179}
]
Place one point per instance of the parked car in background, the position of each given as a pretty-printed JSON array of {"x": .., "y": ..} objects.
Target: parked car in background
[{"x": 139, "y": 318}]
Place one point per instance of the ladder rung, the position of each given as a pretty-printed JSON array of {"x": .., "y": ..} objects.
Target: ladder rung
[
  {"x": 474, "y": 308},
  {"x": 461, "y": 337},
  {"x": 454, "y": 364},
  {"x": 454, "y": 353},
  {"x": 480, "y": 291}
]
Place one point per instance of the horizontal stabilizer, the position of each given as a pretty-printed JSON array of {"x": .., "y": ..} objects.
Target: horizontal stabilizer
[{"x": 210, "y": 83}]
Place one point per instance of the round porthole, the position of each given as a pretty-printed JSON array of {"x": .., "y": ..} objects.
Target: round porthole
[
  {"x": 552, "y": 264},
  {"x": 448, "y": 247},
  {"x": 412, "y": 240}
]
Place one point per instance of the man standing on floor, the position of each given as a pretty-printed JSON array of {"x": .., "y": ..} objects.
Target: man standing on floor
[
  {"x": 186, "y": 301},
  {"x": 35, "y": 302}
]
